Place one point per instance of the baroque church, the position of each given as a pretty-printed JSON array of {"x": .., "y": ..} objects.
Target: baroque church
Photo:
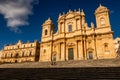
[{"x": 74, "y": 40}]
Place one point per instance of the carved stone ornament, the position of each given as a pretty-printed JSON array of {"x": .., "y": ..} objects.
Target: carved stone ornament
[{"x": 71, "y": 44}]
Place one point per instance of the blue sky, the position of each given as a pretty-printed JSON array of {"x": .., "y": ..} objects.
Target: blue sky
[{"x": 26, "y": 26}]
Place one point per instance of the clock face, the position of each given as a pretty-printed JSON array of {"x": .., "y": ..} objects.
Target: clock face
[{"x": 102, "y": 21}]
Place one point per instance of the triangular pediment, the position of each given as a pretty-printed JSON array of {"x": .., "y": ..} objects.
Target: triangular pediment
[
  {"x": 70, "y": 15},
  {"x": 63, "y": 17}
]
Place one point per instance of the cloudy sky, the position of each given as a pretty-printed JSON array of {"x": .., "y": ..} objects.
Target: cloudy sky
[{"x": 22, "y": 19}]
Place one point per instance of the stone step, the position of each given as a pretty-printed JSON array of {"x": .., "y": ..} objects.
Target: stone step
[
  {"x": 99, "y": 73},
  {"x": 80, "y": 63}
]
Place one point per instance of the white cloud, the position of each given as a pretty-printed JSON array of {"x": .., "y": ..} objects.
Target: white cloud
[{"x": 16, "y": 12}]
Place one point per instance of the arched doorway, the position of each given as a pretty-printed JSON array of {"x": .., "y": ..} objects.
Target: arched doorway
[
  {"x": 90, "y": 55},
  {"x": 16, "y": 56},
  {"x": 70, "y": 54},
  {"x": 15, "y": 61}
]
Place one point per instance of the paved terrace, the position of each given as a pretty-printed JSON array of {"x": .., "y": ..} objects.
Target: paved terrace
[{"x": 65, "y": 64}]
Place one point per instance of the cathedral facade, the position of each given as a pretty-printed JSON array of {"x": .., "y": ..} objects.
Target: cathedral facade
[{"x": 75, "y": 40}]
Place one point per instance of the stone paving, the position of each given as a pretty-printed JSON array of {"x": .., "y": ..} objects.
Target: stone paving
[{"x": 62, "y": 64}]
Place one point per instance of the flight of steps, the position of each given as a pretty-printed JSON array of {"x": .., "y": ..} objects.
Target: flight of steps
[
  {"x": 81, "y": 63},
  {"x": 89, "y": 73},
  {"x": 85, "y": 70}
]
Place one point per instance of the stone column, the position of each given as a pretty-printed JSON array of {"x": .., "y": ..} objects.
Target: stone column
[{"x": 95, "y": 51}]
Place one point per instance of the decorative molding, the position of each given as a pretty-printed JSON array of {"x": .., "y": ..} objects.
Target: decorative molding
[{"x": 70, "y": 44}]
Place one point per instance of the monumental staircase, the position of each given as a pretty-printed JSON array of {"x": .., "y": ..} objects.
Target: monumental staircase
[
  {"x": 65, "y": 64},
  {"x": 105, "y": 69}
]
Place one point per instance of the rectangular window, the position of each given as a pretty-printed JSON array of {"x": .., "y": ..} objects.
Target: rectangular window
[
  {"x": 46, "y": 32},
  {"x": 70, "y": 28}
]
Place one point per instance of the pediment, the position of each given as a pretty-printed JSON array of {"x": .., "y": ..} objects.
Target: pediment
[
  {"x": 101, "y": 9},
  {"x": 62, "y": 17},
  {"x": 70, "y": 15},
  {"x": 90, "y": 49}
]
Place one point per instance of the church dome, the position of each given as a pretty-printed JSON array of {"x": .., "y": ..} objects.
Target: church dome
[{"x": 101, "y": 9}]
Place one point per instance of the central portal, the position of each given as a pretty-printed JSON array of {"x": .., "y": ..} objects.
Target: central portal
[
  {"x": 90, "y": 55},
  {"x": 70, "y": 54}
]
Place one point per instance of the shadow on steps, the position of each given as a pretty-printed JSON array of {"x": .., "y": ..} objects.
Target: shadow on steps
[{"x": 91, "y": 73}]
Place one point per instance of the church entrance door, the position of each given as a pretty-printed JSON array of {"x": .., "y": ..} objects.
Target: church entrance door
[
  {"x": 90, "y": 55},
  {"x": 70, "y": 54}
]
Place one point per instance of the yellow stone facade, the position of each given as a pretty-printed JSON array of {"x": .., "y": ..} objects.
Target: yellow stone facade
[
  {"x": 0, "y": 54},
  {"x": 21, "y": 52},
  {"x": 75, "y": 40},
  {"x": 117, "y": 46}
]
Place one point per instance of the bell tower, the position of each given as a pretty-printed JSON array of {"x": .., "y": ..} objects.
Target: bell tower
[
  {"x": 102, "y": 17},
  {"x": 47, "y": 28}
]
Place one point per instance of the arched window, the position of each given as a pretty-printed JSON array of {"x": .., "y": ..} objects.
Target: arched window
[
  {"x": 5, "y": 55},
  {"x": 46, "y": 32},
  {"x": 44, "y": 50},
  {"x": 105, "y": 45},
  {"x": 61, "y": 27},
  {"x": 30, "y": 53},
  {"x": 102, "y": 21},
  {"x": 22, "y": 54},
  {"x": 17, "y": 55},
  {"x": 31, "y": 45},
  {"x": 11, "y": 55},
  {"x": 106, "y": 48},
  {"x": 69, "y": 28}
]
